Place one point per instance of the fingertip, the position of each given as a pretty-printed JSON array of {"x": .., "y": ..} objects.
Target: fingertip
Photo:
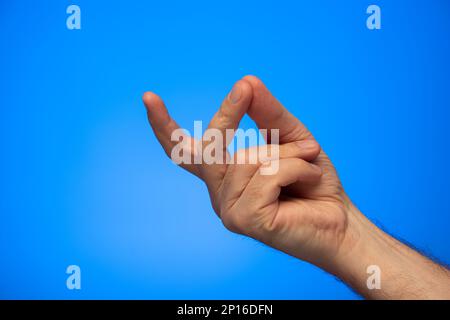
[
  {"x": 238, "y": 100},
  {"x": 254, "y": 81},
  {"x": 151, "y": 99},
  {"x": 311, "y": 147},
  {"x": 246, "y": 89},
  {"x": 156, "y": 110},
  {"x": 264, "y": 105}
]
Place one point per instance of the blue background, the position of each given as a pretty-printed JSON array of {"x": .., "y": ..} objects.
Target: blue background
[{"x": 84, "y": 181}]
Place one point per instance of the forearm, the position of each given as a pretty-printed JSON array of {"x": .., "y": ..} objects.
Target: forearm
[{"x": 405, "y": 273}]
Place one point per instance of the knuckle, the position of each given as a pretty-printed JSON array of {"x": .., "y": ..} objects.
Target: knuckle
[
  {"x": 229, "y": 221},
  {"x": 234, "y": 222},
  {"x": 224, "y": 117}
]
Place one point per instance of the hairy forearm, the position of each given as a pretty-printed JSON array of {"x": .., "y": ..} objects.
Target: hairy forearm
[{"x": 404, "y": 273}]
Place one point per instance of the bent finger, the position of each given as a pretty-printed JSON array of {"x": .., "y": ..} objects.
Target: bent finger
[{"x": 284, "y": 172}]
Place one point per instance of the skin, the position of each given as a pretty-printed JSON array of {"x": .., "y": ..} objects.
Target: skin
[{"x": 301, "y": 210}]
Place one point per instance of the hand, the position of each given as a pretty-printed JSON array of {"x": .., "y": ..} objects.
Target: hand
[{"x": 302, "y": 209}]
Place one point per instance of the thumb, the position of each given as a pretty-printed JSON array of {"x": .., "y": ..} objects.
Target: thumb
[{"x": 269, "y": 113}]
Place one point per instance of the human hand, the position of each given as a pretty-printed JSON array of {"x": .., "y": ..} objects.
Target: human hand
[{"x": 301, "y": 209}]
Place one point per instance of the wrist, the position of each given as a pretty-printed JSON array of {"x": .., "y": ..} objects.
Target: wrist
[
  {"x": 362, "y": 247},
  {"x": 403, "y": 272}
]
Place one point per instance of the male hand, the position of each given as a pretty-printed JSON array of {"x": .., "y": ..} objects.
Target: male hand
[{"x": 301, "y": 209}]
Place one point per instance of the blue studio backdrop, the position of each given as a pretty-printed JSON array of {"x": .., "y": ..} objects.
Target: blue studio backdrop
[{"x": 84, "y": 182}]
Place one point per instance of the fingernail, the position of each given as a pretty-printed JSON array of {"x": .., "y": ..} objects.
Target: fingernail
[
  {"x": 235, "y": 94},
  {"x": 307, "y": 144}
]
